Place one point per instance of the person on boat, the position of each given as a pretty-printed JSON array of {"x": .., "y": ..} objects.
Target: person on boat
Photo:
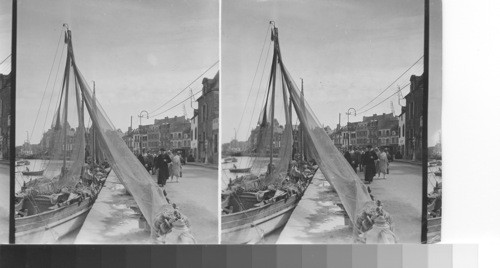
[
  {"x": 162, "y": 164},
  {"x": 383, "y": 163},
  {"x": 382, "y": 231},
  {"x": 369, "y": 162},
  {"x": 176, "y": 166}
]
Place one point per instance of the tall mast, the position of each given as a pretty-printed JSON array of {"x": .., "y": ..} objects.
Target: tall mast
[
  {"x": 303, "y": 147},
  {"x": 94, "y": 153},
  {"x": 66, "y": 78},
  {"x": 274, "y": 36}
]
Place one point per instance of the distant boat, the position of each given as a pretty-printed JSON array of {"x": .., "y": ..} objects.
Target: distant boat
[
  {"x": 230, "y": 160},
  {"x": 33, "y": 173},
  {"x": 240, "y": 170},
  {"x": 22, "y": 163}
]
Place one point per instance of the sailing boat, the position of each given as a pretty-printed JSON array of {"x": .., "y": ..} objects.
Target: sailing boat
[
  {"x": 57, "y": 203},
  {"x": 256, "y": 205}
]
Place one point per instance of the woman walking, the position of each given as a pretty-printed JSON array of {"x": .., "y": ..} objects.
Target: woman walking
[
  {"x": 383, "y": 163},
  {"x": 176, "y": 167}
]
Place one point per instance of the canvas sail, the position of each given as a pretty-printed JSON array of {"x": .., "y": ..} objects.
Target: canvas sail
[
  {"x": 337, "y": 171},
  {"x": 160, "y": 215}
]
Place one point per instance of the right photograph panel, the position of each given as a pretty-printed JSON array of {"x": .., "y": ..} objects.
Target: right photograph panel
[{"x": 322, "y": 122}]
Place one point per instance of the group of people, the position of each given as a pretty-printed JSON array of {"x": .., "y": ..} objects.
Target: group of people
[
  {"x": 167, "y": 164},
  {"x": 373, "y": 161}
]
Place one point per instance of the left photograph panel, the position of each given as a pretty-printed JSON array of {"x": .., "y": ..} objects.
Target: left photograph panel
[
  {"x": 110, "y": 146},
  {"x": 5, "y": 113}
]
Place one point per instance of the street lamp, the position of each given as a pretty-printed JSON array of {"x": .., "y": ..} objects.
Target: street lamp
[
  {"x": 140, "y": 124},
  {"x": 348, "y": 132}
]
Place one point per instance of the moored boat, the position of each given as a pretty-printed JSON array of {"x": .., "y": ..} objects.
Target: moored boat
[
  {"x": 240, "y": 170},
  {"x": 264, "y": 200},
  {"x": 33, "y": 173}
]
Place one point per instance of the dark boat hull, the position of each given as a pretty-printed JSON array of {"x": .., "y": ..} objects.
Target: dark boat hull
[
  {"x": 50, "y": 226},
  {"x": 239, "y": 170},
  {"x": 250, "y": 226},
  {"x": 33, "y": 173}
]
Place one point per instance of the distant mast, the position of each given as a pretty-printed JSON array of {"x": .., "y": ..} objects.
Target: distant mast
[{"x": 93, "y": 127}]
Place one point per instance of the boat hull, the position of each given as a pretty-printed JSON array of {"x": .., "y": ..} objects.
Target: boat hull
[
  {"x": 250, "y": 226},
  {"x": 239, "y": 170},
  {"x": 49, "y": 227},
  {"x": 33, "y": 173}
]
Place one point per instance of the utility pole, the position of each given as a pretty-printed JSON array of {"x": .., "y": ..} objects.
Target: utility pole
[
  {"x": 140, "y": 124},
  {"x": 348, "y": 131}
]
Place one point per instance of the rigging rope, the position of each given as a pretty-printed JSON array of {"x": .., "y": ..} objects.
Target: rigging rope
[
  {"x": 5, "y": 59},
  {"x": 253, "y": 80},
  {"x": 46, "y": 85},
  {"x": 257, "y": 97}
]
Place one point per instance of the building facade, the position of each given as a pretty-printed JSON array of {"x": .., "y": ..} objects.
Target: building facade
[
  {"x": 5, "y": 91},
  {"x": 414, "y": 118},
  {"x": 208, "y": 118},
  {"x": 194, "y": 136}
]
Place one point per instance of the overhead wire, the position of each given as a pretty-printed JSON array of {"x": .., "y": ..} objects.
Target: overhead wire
[
  {"x": 198, "y": 77},
  {"x": 391, "y": 84},
  {"x": 408, "y": 76},
  {"x": 362, "y": 112},
  {"x": 179, "y": 103}
]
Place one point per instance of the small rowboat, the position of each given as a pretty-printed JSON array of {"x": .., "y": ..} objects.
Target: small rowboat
[
  {"x": 33, "y": 173},
  {"x": 239, "y": 170},
  {"x": 230, "y": 160},
  {"x": 22, "y": 163}
]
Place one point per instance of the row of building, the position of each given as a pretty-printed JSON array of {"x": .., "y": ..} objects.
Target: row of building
[
  {"x": 196, "y": 137},
  {"x": 401, "y": 134}
]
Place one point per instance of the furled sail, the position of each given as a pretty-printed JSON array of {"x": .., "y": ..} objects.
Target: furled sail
[
  {"x": 351, "y": 190},
  {"x": 160, "y": 214}
]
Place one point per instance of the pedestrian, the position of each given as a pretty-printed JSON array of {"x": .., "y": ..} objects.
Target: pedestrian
[
  {"x": 349, "y": 159},
  {"x": 176, "y": 166},
  {"x": 162, "y": 162},
  {"x": 377, "y": 162},
  {"x": 141, "y": 158},
  {"x": 357, "y": 157},
  {"x": 347, "y": 156},
  {"x": 155, "y": 157},
  {"x": 383, "y": 163},
  {"x": 149, "y": 162},
  {"x": 362, "y": 160},
  {"x": 369, "y": 162}
]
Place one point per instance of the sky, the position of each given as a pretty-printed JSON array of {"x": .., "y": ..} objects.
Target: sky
[
  {"x": 139, "y": 53},
  {"x": 347, "y": 52},
  {"x": 435, "y": 72},
  {"x": 5, "y": 32}
]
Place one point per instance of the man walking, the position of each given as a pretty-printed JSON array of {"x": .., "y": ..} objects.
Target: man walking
[
  {"x": 369, "y": 162},
  {"x": 162, "y": 162}
]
